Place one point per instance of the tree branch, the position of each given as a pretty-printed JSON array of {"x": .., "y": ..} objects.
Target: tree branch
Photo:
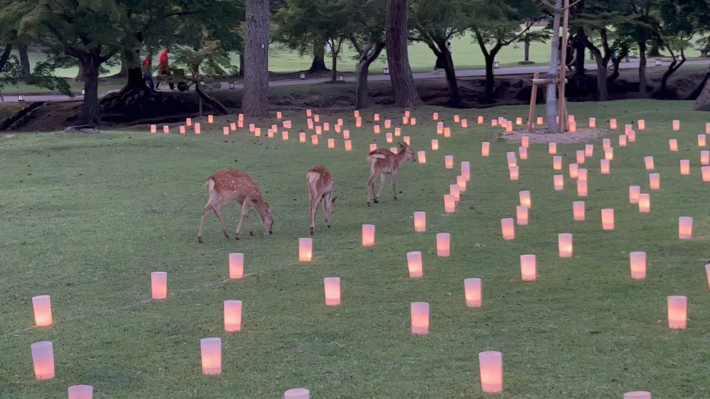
[
  {"x": 67, "y": 49},
  {"x": 5, "y": 55}
]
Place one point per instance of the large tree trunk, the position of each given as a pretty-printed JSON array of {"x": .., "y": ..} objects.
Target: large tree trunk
[
  {"x": 362, "y": 99},
  {"x": 602, "y": 92},
  {"x": 125, "y": 66},
  {"x": 553, "y": 73},
  {"x": 90, "y": 109},
  {"x": 454, "y": 96},
  {"x": 405, "y": 91},
  {"x": 80, "y": 73},
  {"x": 642, "y": 69},
  {"x": 674, "y": 66},
  {"x": 579, "y": 52},
  {"x": 527, "y": 51},
  {"x": 334, "y": 63},
  {"x": 24, "y": 61},
  {"x": 490, "y": 77},
  {"x": 256, "y": 51},
  {"x": 318, "y": 64},
  {"x": 241, "y": 63},
  {"x": 5, "y": 55}
]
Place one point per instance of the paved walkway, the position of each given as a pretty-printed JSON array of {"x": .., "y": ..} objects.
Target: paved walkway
[{"x": 522, "y": 70}]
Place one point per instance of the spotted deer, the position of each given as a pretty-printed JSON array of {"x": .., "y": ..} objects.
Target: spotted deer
[
  {"x": 320, "y": 191},
  {"x": 235, "y": 185},
  {"x": 384, "y": 162}
]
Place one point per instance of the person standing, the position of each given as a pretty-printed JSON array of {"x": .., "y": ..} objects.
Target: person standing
[{"x": 147, "y": 67}]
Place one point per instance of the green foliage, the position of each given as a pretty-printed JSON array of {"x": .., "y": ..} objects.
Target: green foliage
[
  {"x": 210, "y": 60},
  {"x": 498, "y": 24},
  {"x": 304, "y": 22}
]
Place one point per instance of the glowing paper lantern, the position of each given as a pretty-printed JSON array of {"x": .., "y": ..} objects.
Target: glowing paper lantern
[
  {"x": 491, "y": 365},
  {"x": 421, "y": 156},
  {"x": 684, "y": 167},
  {"x": 332, "y": 291},
  {"x": 182, "y": 129},
  {"x": 637, "y": 395},
  {"x": 524, "y": 197},
  {"x": 580, "y": 156},
  {"x": 454, "y": 190},
  {"x": 348, "y": 145},
  {"x": 518, "y": 121},
  {"x": 641, "y": 124},
  {"x": 377, "y": 129},
  {"x": 637, "y": 261},
  {"x": 582, "y": 188},
  {"x": 612, "y": 124},
  {"x": 319, "y": 130},
  {"x": 435, "y": 116},
  {"x": 405, "y": 139},
  {"x": 704, "y": 157},
  {"x": 232, "y": 316},
  {"x": 284, "y": 135},
  {"x": 589, "y": 150},
  {"x": 447, "y": 132},
  {"x": 210, "y": 118},
  {"x": 461, "y": 182},
  {"x": 607, "y": 219},
  {"x": 257, "y": 132},
  {"x": 314, "y": 139},
  {"x": 153, "y": 128},
  {"x": 449, "y": 203},
  {"x": 606, "y": 143},
  {"x": 512, "y": 161},
  {"x": 42, "y": 307},
  {"x": 346, "y": 134},
  {"x": 648, "y": 161},
  {"x": 373, "y": 147},
  {"x": 634, "y": 192},
  {"x": 573, "y": 170},
  {"x": 609, "y": 154},
  {"x": 685, "y": 228},
  {"x": 707, "y": 273},
  {"x": 376, "y": 117},
  {"x": 358, "y": 122},
  {"x": 539, "y": 120},
  {"x": 604, "y": 166},
  {"x": 631, "y": 135},
  {"x": 278, "y": 114},
  {"x": 420, "y": 317},
  {"x": 413, "y": 121},
  {"x": 302, "y": 137},
  {"x": 557, "y": 162},
  {"x": 480, "y": 119},
  {"x": 308, "y": 121},
  {"x": 326, "y": 126},
  {"x": 677, "y": 312},
  {"x": 166, "y": 129},
  {"x": 509, "y": 127},
  {"x": 211, "y": 351},
  {"x": 225, "y": 131},
  {"x": 466, "y": 170},
  {"x": 528, "y": 267},
  {"x": 434, "y": 144},
  {"x": 628, "y": 128},
  {"x": 159, "y": 285},
  {"x": 188, "y": 121},
  {"x": 525, "y": 141},
  {"x": 572, "y": 127},
  {"x": 564, "y": 245},
  {"x": 457, "y": 119},
  {"x": 331, "y": 143},
  {"x": 443, "y": 245},
  {"x": 514, "y": 174},
  {"x": 43, "y": 360},
  {"x": 197, "y": 128},
  {"x": 316, "y": 118},
  {"x": 440, "y": 128},
  {"x": 356, "y": 113},
  {"x": 297, "y": 393},
  {"x": 472, "y": 292},
  {"x": 676, "y": 125},
  {"x": 464, "y": 123},
  {"x": 705, "y": 170},
  {"x": 81, "y": 392},
  {"x": 582, "y": 174},
  {"x": 508, "y": 228},
  {"x": 523, "y": 152},
  {"x": 420, "y": 222},
  {"x": 592, "y": 122},
  {"x": 578, "y": 210},
  {"x": 305, "y": 249},
  {"x": 701, "y": 140},
  {"x": 622, "y": 140},
  {"x": 559, "y": 182},
  {"x": 414, "y": 264},
  {"x": 236, "y": 265},
  {"x": 521, "y": 213},
  {"x": 485, "y": 148},
  {"x": 644, "y": 203},
  {"x": 449, "y": 161},
  {"x": 654, "y": 181},
  {"x": 368, "y": 235},
  {"x": 494, "y": 122},
  {"x": 673, "y": 144}
]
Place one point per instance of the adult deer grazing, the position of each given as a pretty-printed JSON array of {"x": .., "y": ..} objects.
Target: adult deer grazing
[
  {"x": 383, "y": 162},
  {"x": 320, "y": 191},
  {"x": 235, "y": 185}
]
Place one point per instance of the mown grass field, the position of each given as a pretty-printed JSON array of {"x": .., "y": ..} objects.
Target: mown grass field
[{"x": 85, "y": 219}]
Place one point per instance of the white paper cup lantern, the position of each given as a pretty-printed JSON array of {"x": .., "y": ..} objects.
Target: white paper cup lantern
[
  {"x": 685, "y": 228},
  {"x": 368, "y": 235},
  {"x": 420, "y": 317},
  {"x": 525, "y": 141},
  {"x": 466, "y": 170},
  {"x": 589, "y": 150},
  {"x": 211, "y": 350},
  {"x": 491, "y": 368},
  {"x": 604, "y": 166},
  {"x": 559, "y": 182},
  {"x": 528, "y": 267},
  {"x": 43, "y": 360},
  {"x": 673, "y": 145},
  {"x": 702, "y": 140},
  {"x": 454, "y": 190},
  {"x": 637, "y": 395},
  {"x": 648, "y": 161},
  {"x": 443, "y": 245},
  {"x": 508, "y": 228},
  {"x": 514, "y": 173},
  {"x": 580, "y": 157},
  {"x": 557, "y": 162},
  {"x": 582, "y": 189},
  {"x": 485, "y": 148},
  {"x": 564, "y": 245},
  {"x": 81, "y": 392},
  {"x": 606, "y": 143},
  {"x": 623, "y": 140},
  {"x": 552, "y": 148},
  {"x": 524, "y": 197},
  {"x": 676, "y": 124},
  {"x": 159, "y": 285},
  {"x": 573, "y": 170},
  {"x": 232, "y": 315},
  {"x": 521, "y": 213},
  {"x": 644, "y": 203},
  {"x": 415, "y": 265},
  {"x": 331, "y": 287},
  {"x": 421, "y": 157},
  {"x": 297, "y": 393},
  {"x": 704, "y": 157},
  {"x": 609, "y": 154},
  {"x": 705, "y": 171},
  {"x": 449, "y": 161},
  {"x": 677, "y": 312},
  {"x": 607, "y": 219},
  {"x": 654, "y": 181},
  {"x": 578, "y": 211},
  {"x": 236, "y": 265},
  {"x": 634, "y": 192},
  {"x": 419, "y": 222},
  {"x": 684, "y": 166},
  {"x": 42, "y": 307},
  {"x": 473, "y": 292},
  {"x": 638, "y": 265},
  {"x": 305, "y": 249},
  {"x": 449, "y": 203},
  {"x": 523, "y": 151}
]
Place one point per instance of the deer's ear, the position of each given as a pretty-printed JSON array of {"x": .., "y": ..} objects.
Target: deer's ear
[{"x": 402, "y": 145}]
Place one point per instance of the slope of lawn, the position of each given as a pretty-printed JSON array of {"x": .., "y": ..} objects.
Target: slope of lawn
[{"x": 85, "y": 219}]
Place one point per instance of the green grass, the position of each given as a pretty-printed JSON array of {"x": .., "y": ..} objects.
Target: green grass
[{"x": 87, "y": 218}]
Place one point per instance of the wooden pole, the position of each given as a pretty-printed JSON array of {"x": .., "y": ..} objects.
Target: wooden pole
[
  {"x": 561, "y": 103},
  {"x": 533, "y": 101}
]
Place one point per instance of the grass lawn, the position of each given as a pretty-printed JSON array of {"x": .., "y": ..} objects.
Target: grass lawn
[{"x": 87, "y": 218}]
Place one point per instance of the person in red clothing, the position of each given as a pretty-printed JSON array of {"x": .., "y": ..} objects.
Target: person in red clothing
[
  {"x": 163, "y": 65},
  {"x": 147, "y": 71}
]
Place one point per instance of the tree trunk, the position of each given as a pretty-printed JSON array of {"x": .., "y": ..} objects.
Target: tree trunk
[
  {"x": 80, "y": 74},
  {"x": 527, "y": 50},
  {"x": 696, "y": 93},
  {"x": 553, "y": 73},
  {"x": 5, "y": 55},
  {"x": 212, "y": 102},
  {"x": 362, "y": 99},
  {"x": 703, "y": 101},
  {"x": 24, "y": 61},
  {"x": 334, "y": 63},
  {"x": 490, "y": 77},
  {"x": 318, "y": 64},
  {"x": 674, "y": 66},
  {"x": 579, "y": 52},
  {"x": 241, "y": 64},
  {"x": 454, "y": 96},
  {"x": 125, "y": 66},
  {"x": 642, "y": 69},
  {"x": 256, "y": 51},
  {"x": 90, "y": 109},
  {"x": 405, "y": 91},
  {"x": 602, "y": 91}
]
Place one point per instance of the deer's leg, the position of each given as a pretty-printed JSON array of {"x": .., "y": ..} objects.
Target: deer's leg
[
  {"x": 382, "y": 185},
  {"x": 209, "y": 207},
  {"x": 313, "y": 210},
  {"x": 218, "y": 212},
  {"x": 251, "y": 229},
  {"x": 394, "y": 190},
  {"x": 244, "y": 213},
  {"x": 327, "y": 207},
  {"x": 371, "y": 188}
]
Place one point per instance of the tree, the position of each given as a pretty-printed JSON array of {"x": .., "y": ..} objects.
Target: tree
[
  {"x": 304, "y": 22},
  {"x": 396, "y": 37},
  {"x": 497, "y": 24},
  {"x": 434, "y": 23},
  {"x": 641, "y": 27},
  {"x": 256, "y": 51},
  {"x": 368, "y": 40},
  {"x": 208, "y": 59},
  {"x": 553, "y": 74}
]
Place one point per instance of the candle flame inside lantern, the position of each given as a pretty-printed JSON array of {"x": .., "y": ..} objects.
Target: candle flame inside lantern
[
  {"x": 42, "y": 307},
  {"x": 564, "y": 245}
]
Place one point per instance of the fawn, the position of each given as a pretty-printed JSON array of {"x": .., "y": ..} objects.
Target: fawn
[
  {"x": 232, "y": 184},
  {"x": 320, "y": 190},
  {"x": 383, "y": 162}
]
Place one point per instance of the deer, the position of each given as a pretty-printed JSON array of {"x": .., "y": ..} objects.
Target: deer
[
  {"x": 228, "y": 185},
  {"x": 320, "y": 191},
  {"x": 384, "y": 162}
]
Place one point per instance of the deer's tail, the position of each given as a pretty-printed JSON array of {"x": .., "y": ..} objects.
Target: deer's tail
[
  {"x": 210, "y": 184},
  {"x": 312, "y": 177}
]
